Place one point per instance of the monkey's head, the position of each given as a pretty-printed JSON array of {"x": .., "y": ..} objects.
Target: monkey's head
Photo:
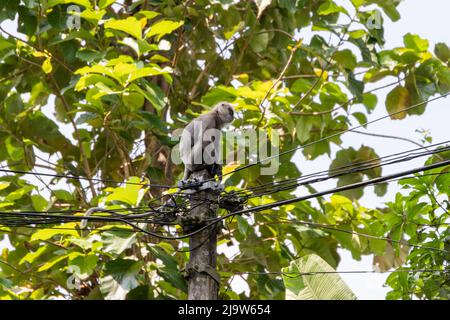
[{"x": 225, "y": 112}]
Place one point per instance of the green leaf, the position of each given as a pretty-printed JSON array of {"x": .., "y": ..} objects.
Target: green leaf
[
  {"x": 93, "y": 16},
  {"x": 147, "y": 14},
  {"x": 243, "y": 225},
  {"x": 329, "y": 7},
  {"x": 30, "y": 257},
  {"x": 47, "y": 66},
  {"x": 84, "y": 264},
  {"x": 413, "y": 41},
  {"x": 19, "y": 193},
  {"x": 88, "y": 55},
  {"x": 442, "y": 51},
  {"x": 14, "y": 149},
  {"x": 163, "y": 27},
  {"x": 153, "y": 121},
  {"x": 357, "y": 34},
  {"x": 63, "y": 195},
  {"x": 346, "y": 58},
  {"x": 27, "y": 22},
  {"x": 325, "y": 286},
  {"x": 133, "y": 100},
  {"x": 301, "y": 85},
  {"x": 121, "y": 277},
  {"x": 169, "y": 271},
  {"x": 351, "y": 156},
  {"x": 130, "y": 194},
  {"x": 381, "y": 189},
  {"x": 259, "y": 42},
  {"x": 374, "y": 75},
  {"x": 130, "y": 25},
  {"x": 356, "y": 87},
  {"x": 4, "y": 185},
  {"x": 103, "y": 4},
  {"x": 361, "y": 117},
  {"x": 147, "y": 72},
  {"x": 389, "y": 7},
  {"x": 53, "y": 262},
  {"x": 370, "y": 101},
  {"x": 357, "y": 3},
  {"x": 153, "y": 94},
  {"x": 303, "y": 129},
  {"x": 332, "y": 94},
  {"x": 39, "y": 202},
  {"x": 398, "y": 100},
  {"x": 117, "y": 241},
  {"x": 84, "y": 3},
  {"x": 64, "y": 229},
  {"x": 92, "y": 79}
]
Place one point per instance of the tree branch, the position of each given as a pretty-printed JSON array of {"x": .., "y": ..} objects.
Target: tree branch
[{"x": 84, "y": 158}]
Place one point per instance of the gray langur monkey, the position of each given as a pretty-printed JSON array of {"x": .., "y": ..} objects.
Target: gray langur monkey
[{"x": 200, "y": 141}]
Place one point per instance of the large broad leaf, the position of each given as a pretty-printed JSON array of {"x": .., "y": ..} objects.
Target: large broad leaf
[
  {"x": 396, "y": 101},
  {"x": 442, "y": 51},
  {"x": 64, "y": 229},
  {"x": 130, "y": 25},
  {"x": 117, "y": 241},
  {"x": 391, "y": 258},
  {"x": 121, "y": 278},
  {"x": 319, "y": 285},
  {"x": 413, "y": 41},
  {"x": 130, "y": 194},
  {"x": 161, "y": 28},
  {"x": 84, "y": 3}
]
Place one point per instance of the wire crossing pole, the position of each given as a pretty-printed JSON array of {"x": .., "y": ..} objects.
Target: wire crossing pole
[{"x": 203, "y": 279}]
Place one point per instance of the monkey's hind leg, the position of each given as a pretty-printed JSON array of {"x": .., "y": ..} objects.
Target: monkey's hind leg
[{"x": 187, "y": 174}]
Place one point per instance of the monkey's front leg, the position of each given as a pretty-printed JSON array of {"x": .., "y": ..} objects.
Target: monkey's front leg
[{"x": 217, "y": 170}]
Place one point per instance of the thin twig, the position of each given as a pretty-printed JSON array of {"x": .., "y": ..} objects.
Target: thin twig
[
  {"x": 277, "y": 81},
  {"x": 77, "y": 133}
]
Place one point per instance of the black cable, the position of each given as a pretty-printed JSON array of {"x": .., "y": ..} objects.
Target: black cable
[
  {"x": 300, "y": 274},
  {"x": 322, "y": 193},
  {"x": 337, "y": 134},
  {"x": 288, "y": 184},
  {"x": 85, "y": 178},
  {"x": 333, "y": 228},
  {"x": 351, "y": 165},
  {"x": 262, "y": 207}
]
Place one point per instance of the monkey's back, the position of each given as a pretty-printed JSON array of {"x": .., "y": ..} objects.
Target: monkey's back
[{"x": 193, "y": 143}]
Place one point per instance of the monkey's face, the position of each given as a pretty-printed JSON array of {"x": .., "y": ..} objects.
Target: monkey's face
[{"x": 226, "y": 112}]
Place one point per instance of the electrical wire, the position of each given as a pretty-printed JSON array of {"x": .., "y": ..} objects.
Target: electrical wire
[
  {"x": 363, "y": 125},
  {"x": 288, "y": 184},
  {"x": 54, "y": 175},
  {"x": 313, "y": 273},
  {"x": 330, "y": 227},
  {"x": 124, "y": 220},
  {"x": 255, "y": 209},
  {"x": 326, "y": 192}
]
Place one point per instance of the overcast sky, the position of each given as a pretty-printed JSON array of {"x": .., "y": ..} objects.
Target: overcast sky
[{"x": 428, "y": 19}]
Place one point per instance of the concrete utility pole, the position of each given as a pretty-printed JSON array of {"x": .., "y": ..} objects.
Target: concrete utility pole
[{"x": 203, "y": 278}]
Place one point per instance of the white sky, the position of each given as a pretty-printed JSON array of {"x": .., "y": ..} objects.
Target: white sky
[{"x": 429, "y": 21}]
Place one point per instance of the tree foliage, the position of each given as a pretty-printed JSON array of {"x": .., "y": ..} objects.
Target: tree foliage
[{"x": 101, "y": 100}]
